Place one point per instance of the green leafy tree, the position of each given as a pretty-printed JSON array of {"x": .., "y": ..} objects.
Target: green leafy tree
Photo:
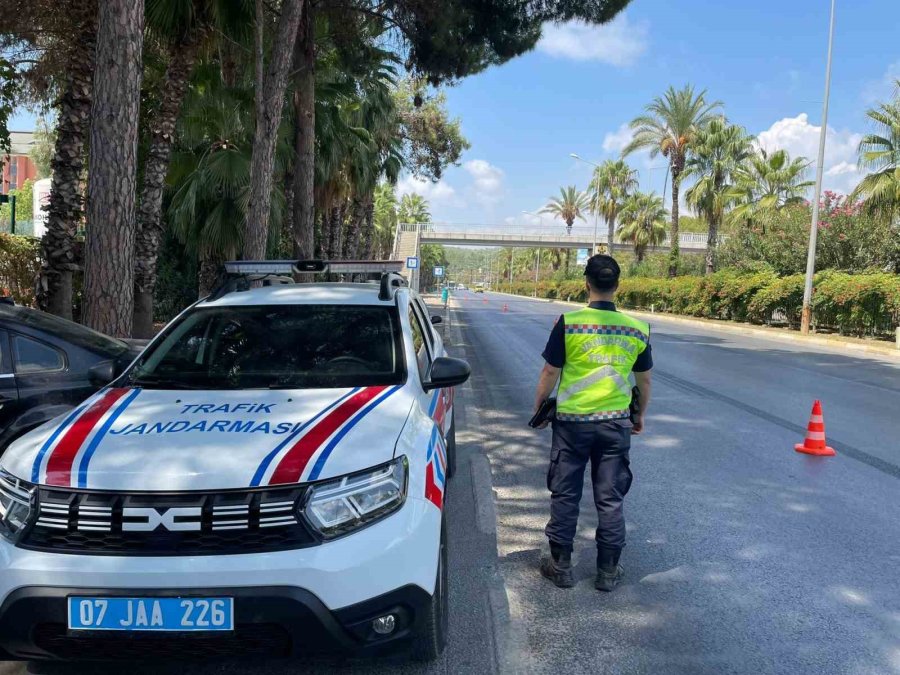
[
  {"x": 612, "y": 183},
  {"x": 385, "y": 220},
  {"x": 879, "y": 153},
  {"x": 668, "y": 128},
  {"x": 768, "y": 182},
  {"x": 569, "y": 206},
  {"x": 718, "y": 152},
  {"x": 414, "y": 209},
  {"x": 41, "y": 152},
  {"x": 643, "y": 219}
]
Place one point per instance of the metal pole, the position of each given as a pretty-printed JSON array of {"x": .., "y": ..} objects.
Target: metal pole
[
  {"x": 511, "y": 253},
  {"x": 537, "y": 271},
  {"x": 806, "y": 314},
  {"x": 12, "y": 214}
]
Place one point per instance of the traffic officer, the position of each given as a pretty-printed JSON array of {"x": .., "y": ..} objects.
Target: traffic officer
[{"x": 594, "y": 350}]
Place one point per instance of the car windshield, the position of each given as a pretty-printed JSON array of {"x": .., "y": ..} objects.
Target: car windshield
[
  {"x": 71, "y": 332},
  {"x": 276, "y": 346}
]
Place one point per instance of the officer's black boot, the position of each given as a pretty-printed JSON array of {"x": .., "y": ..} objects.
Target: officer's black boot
[
  {"x": 558, "y": 567},
  {"x": 609, "y": 571}
]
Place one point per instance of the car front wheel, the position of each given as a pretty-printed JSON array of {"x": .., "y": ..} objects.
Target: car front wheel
[{"x": 432, "y": 638}]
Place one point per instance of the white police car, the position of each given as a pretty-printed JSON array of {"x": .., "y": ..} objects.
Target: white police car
[{"x": 268, "y": 476}]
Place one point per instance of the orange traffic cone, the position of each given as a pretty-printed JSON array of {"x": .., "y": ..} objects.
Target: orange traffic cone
[
  {"x": 814, "y": 443},
  {"x": 505, "y": 307},
  {"x": 484, "y": 301}
]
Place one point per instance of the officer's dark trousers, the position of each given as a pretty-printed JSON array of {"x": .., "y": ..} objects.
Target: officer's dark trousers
[{"x": 605, "y": 445}]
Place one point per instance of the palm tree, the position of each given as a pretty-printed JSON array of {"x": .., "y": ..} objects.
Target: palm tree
[
  {"x": 879, "y": 152},
  {"x": 385, "y": 221},
  {"x": 112, "y": 169},
  {"x": 611, "y": 185},
  {"x": 668, "y": 129},
  {"x": 643, "y": 222},
  {"x": 719, "y": 151},
  {"x": 570, "y": 204},
  {"x": 414, "y": 209},
  {"x": 768, "y": 182}
]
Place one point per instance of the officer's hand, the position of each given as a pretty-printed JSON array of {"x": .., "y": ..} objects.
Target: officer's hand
[
  {"x": 638, "y": 426},
  {"x": 543, "y": 425}
]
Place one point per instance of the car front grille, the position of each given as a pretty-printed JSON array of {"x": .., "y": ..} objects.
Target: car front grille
[
  {"x": 167, "y": 524},
  {"x": 270, "y": 640}
]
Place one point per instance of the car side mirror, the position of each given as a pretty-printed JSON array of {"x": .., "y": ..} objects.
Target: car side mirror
[
  {"x": 436, "y": 318},
  {"x": 101, "y": 374},
  {"x": 447, "y": 372}
]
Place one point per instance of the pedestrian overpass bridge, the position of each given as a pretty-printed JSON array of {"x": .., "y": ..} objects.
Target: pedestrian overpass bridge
[{"x": 411, "y": 236}]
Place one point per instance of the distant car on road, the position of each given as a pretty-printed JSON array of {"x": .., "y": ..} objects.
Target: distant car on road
[{"x": 47, "y": 365}]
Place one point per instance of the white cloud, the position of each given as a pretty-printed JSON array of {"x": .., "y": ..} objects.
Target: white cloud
[
  {"x": 801, "y": 138},
  {"x": 433, "y": 192},
  {"x": 882, "y": 89},
  {"x": 618, "y": 43},
  {"x": 615, "y": 141},
  {"x": 487, "y": 180}
]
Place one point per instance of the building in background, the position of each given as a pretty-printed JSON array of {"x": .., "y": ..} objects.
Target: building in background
[{"x": 18, "y": 165}]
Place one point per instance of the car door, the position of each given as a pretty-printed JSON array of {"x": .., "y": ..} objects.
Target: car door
[
  {"x": 8, "y": 392},
  {"x": 440, "y": 401},
  {"x": 47, "y": 384}
]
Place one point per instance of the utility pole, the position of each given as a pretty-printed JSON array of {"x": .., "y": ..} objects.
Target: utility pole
[{"x": 806, "y": 314}]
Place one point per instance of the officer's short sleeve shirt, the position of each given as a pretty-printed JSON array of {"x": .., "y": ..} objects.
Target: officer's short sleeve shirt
[{"x": 555, "y": 351}]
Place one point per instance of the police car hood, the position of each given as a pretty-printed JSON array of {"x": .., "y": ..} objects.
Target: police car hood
[{"x": 125, "y": 439}]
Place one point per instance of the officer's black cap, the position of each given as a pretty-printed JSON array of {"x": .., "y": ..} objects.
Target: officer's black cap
[{"x": 602, "y": 271}]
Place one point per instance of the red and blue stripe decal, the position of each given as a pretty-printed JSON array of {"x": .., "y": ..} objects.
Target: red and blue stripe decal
[
  {"x": 69, "y": 443},
  {"x": 319, "y": 437},
  {"x": 436, "y": 469}
]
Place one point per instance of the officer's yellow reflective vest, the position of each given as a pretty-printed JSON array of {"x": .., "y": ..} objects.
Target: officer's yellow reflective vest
[{"x": 601, "y": 348}]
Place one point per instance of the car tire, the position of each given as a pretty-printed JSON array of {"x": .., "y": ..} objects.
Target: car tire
[
  {"x": 451, "y": 448},
  {"x": 432, "y": 638}
]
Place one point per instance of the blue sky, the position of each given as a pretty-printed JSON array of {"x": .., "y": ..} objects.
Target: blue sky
[{"x": 764, "y": 59}]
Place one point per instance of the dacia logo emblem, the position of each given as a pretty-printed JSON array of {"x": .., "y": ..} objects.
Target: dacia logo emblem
[{"x": 180, "y": 519}]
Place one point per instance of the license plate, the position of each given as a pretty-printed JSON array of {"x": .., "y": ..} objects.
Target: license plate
[{"x": 151, "y": 614}]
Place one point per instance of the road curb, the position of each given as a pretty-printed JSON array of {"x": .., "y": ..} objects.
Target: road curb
[
  {"x": 838, "y": 344},
  {"x": 497, "y": 599}
]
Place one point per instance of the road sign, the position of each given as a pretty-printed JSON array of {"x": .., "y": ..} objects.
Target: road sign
[
  {"x": 582, "y": 257},
  {"x": 438, "y": 271},
  {"x": 412, "y": 263}
]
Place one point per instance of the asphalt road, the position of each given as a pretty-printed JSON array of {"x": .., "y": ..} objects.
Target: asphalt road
[{"x": 743, "y": 556}]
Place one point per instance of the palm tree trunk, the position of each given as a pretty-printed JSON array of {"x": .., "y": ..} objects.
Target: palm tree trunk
[
  {"x": 270, "y": 103},
  {"x": 610, "y": 232},
  {"x": 711, "y": 242},
  {"x": 112, "y": 169},
  {"x": 156, "y": 167},
  {"x": 354, "y": 229},
  {"x": 677, "y": 168},
  {"x": 303, "y": 203},
  {"x": 64, "y": 212},
  {"x": 208, "y": 274},
  {"x": 640, "y": 252},
  {"x": 369, "y": 236}
]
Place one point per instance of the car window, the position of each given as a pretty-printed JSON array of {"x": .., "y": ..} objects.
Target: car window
[
  {"x": 419, "y": 344},
  {"x": 426, "y": 321},
  {"x": 276, "y": 346},
  {"x": 32, "y": 356},
  {"x": 69, "y": 331},
  {"x": 5, "y": 360}
]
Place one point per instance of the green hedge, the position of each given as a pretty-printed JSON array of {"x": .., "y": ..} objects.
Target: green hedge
[
  {"x": 19, "y": 266},
  {"x": 857, "y": 304}
]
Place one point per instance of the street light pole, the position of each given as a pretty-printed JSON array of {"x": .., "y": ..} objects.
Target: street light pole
[
  {"x": 806, "y": 314},
  {"x": 596, "y": 205}
]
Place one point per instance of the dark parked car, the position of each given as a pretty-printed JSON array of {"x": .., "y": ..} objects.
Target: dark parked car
[{"x": 45, "y": 367}]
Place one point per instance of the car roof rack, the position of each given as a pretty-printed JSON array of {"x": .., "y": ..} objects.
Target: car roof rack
[{"x": 240, "y": 274}]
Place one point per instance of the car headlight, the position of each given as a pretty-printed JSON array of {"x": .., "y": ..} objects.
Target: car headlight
[
  {"x": 16, "y": 499},
  {"x": 342, "y": 505}
]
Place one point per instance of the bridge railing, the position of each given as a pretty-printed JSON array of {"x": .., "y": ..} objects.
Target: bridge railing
[{"x": 535, "y": 233}]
